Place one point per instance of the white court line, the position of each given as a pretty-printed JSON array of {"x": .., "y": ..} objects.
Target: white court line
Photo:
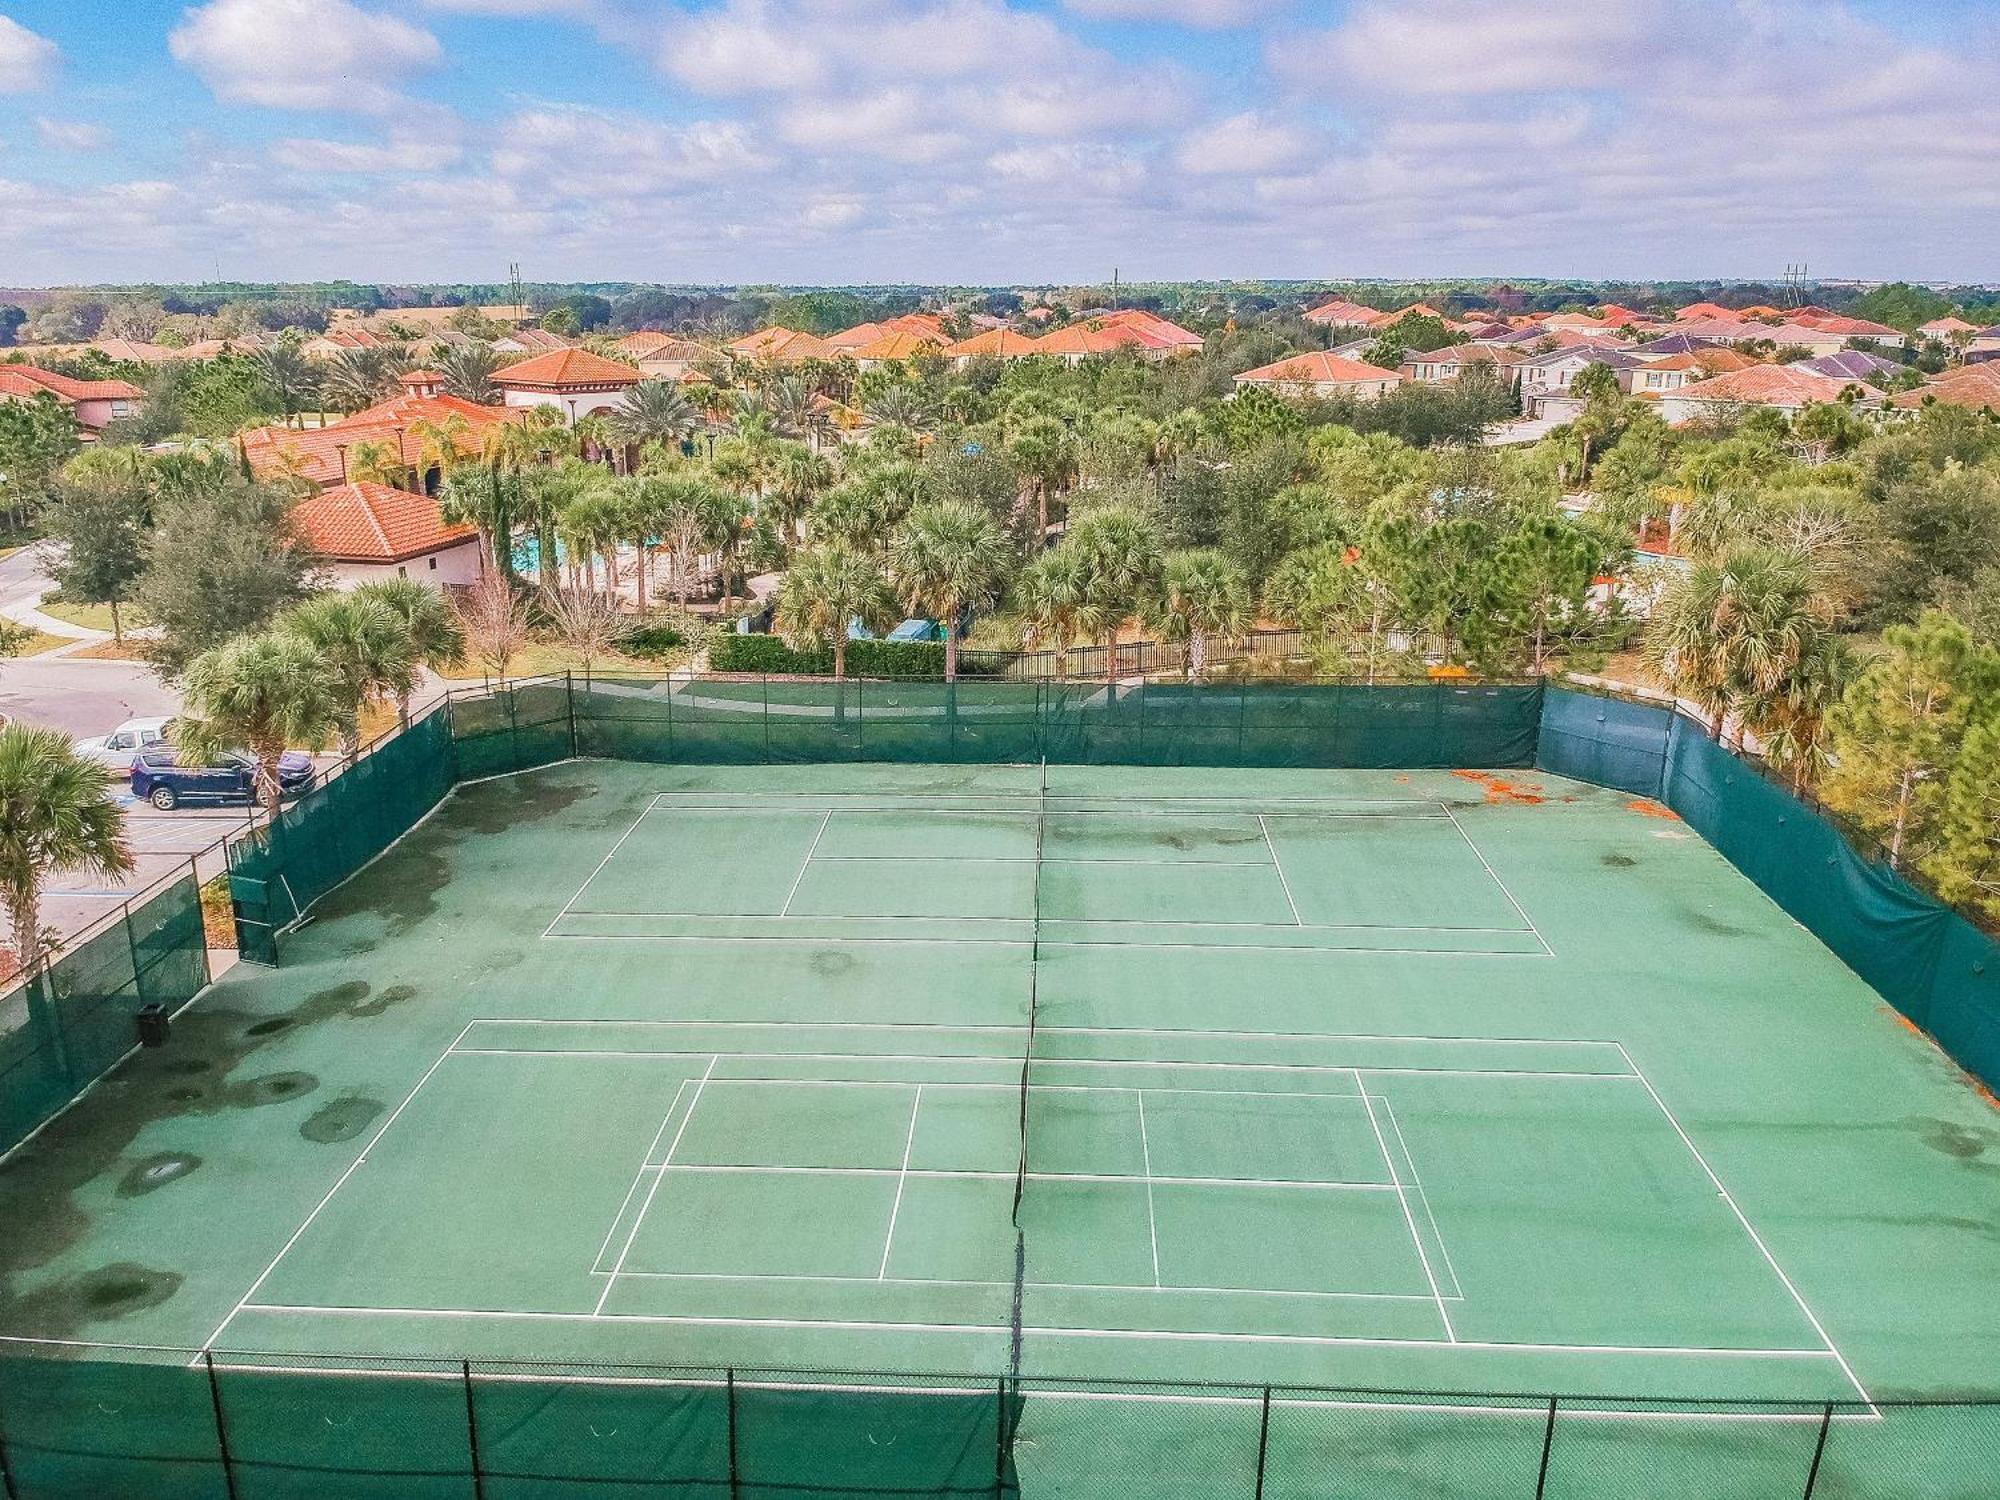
[
  {"x": 1001, "y": 1061},
  {"x": 751, "y": 1169},
  {"x": 862, "y": 916},
  {"x": 665, "y": 1119},
  {"x": 1755, "y": 1238},
  {"x": 805, "y": 864},
  {"x": 577, "y": 894},
  {"x": 1146, "y": 1155},
  {"x": 653, "y": 1191},
  {"x": 1278, "y": 865},
  {"x": 1014, "y": 859},
  {"x": 1044, "y": 1286},
  {"x": 1045, "y": 1331},
  {"x": 338, "y": 1183},
  {"x": 1020, "y": 942},
  {"x": 901, "y": 1178},
  {"x": 1336, "y": 1036},
  {"x": 1495, "y": 875},
  {"x": 1409, "y": 1156},
  {"x": 1408, "y": 1218}
]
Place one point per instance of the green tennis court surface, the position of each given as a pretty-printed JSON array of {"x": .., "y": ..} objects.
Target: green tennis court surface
[{"x": 1405, "y": 1082}]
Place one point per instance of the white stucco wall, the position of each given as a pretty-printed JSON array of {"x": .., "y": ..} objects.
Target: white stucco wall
[{"x": 457, "y": 564}]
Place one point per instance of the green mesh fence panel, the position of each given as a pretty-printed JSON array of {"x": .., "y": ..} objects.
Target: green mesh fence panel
[
  {"x": 310, "y": 1434},
  {"x": 64, "y": 1028},
  {"x": 611, "y": 1434},
  {"x": 1604, "y": 740},
  {"x": 84, "y": 1428},
  {"x": 515, "y": 728},
  {"x": 797, "y": 1442},
  {"x": 318, "y": 841},
  {"x": 1681, "y": 1448},
  {"x": 1441, "y": 1447},
  {"x": 755, "y": 721}
]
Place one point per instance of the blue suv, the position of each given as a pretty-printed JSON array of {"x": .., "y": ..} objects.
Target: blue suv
[{"x": 159, "y": 778}]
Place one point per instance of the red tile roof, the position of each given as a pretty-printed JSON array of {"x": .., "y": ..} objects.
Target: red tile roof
[
  {"x": 998, "y": 343},
  {"x": 314, "y": 453},
  {"x": 782, "y": 344},
  {"x": 372, "y": 523},
  {"x": 1703, "y": 310},
  {"x": 26, "y": 380},
  {"x": 1342, "y": 313},
  {"x": 899, "y": 345},
  {"x": 566, "y": 369},
  {"x": 1770, "y": 385},
  {"x": 1318, "y": 368},
  {"x": 1974, "y": 386}
]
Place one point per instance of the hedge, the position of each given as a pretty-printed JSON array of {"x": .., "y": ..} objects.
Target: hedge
[{"x": 769, "y": 653}]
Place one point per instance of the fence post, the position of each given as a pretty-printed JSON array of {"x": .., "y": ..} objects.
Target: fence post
[
  {"x": 1548, "y": 1442},
  {"x": 7, "y": 1485},
  {"x": 1819, "y": 1450},
  {"x": 1000, "y": 1441},
  {"x": 1263, "y": 1441},
  {"x": 569, "y": 692},
  {"x": 735, "y": 1480},
  {"x": 194, "y": 873},
  {"x": 767, "y": 716},
  {"x": 221, "y": 1427},
  {"x": 472, "y": 1433},
  {"x": 132, "y": 947}
]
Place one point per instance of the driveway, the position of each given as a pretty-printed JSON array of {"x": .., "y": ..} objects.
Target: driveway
[{"x": 162, "y": 845}]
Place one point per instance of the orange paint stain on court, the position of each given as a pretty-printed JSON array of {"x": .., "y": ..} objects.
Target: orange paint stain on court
[
  {"x": 1646, "y": 807},
  {"x": 1499, "y": 789}
]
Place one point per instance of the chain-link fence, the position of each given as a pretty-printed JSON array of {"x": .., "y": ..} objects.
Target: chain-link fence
[{"x": 169, "y": 1423}]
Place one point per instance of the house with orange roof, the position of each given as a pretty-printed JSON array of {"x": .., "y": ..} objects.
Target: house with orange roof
[
  {"x": 1340, "y": 313},
  {"x": 338, "y": 341},
  {"x": 367, "y": 531},
  {"x": 1782, "y": 387},
  {"x": 995, "y": 343},
  {"x": 1158, "y": 333},
  {"x": 1653, "y": 378},
  {"x": 1439, "y": 366},
  {"x": 526, "y": 341},
  {"x": 573, "y": 381},
  {"x": 673, "y": 360},
  {"x": 91, "y": 404},
  {"x": 1321, "y": 374},
  {"x": 1703, "y": 312},
  {"x": 1974, "y": 387},
  {"x": 783, "y": 346},
  {"x": 1947, "y": 329},
  {"x": 317, "y": 456},
  {"x": 895, "y": 347}
]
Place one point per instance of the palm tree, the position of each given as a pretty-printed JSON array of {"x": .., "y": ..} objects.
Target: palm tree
[
  {"x": 355, "y": 378},
  {"x": 1203, "y": 596},
  {"x": 826, "y": 588},
  {"x": 262, "y": 693},
  {"x": 794, "y": 407},
  {"x": 375, "y": 462},
  {"x": 287, "y": 372},
  {"x": 433, "y": 630},
  {"x": 901, "y": 406},
  {"x": 1122, "y": 553},
  {"x": 57, "y": 817},
  {"x": 1050, "y": 594},
  {"x": 1734, "y": 633},
  {"x": 367, "y": 649},
  {"x": 440, "y": 445},
  {"x": 799, "y": 477},
  {"x": 543, "y": 492},
  {"x": 485, "y": 497},
  {"x": 946, "y": 558},
  {"x": 1045, "y": 450},
  {"x": 591, "y": 525},
  {"x": 468, "y": 373},
  {"x": 653, "y": 411}
]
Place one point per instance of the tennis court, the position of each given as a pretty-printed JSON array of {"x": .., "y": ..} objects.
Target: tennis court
[{"x": 1369, "y": 1080}]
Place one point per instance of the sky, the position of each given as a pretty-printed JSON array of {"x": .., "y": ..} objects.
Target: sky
[{"x": 996, "y": 141}]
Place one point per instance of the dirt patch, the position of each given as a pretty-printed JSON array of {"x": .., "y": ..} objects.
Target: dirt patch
[
  {"x": 1500, "y": 789},
  {"x": 496, "y": 806},
  {"x": 1701, "y": 921},
  {"x": 1646, "y": 807},
  {"x": 395, "y": 994},
  {"x": 341, "y": 1120},
  {"x": 1617, "y": 861},
  {"x": 833, "y": 963},
  {"x": 268, "y": 1088},
  {"x": 1955, "y": 1141},
  {"x": 97, "y": 1296}
]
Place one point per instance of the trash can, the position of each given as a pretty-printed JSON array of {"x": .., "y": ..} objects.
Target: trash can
[{"x": 153, "y": 1026}]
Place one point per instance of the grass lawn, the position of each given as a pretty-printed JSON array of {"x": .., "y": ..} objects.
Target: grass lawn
[
  {"x": 39, "y": 641},
  {"x": 93, "y": 616},
  {"x": 540, "y": 658}
]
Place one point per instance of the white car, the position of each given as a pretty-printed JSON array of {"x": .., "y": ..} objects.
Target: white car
[{"x": 116, "y": 749}]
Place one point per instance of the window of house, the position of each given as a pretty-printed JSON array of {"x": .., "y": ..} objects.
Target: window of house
[{"x": 434, "y": 564}]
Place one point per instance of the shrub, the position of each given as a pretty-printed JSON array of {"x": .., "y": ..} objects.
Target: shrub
[{"x": 769, "y": 653}]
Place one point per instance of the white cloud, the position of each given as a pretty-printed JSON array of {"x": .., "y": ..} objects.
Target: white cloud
[
  {"x": 1073, "y": 169},
  {"x": 414, "y": 152},
  {"x": 302, "y": 54},
  {"x": 71, "y": 135},
  {"x": 1209, "y": 15},
  {"x": 834, "y": 213},
  {"x": 1248, "y": 144},
  {"x": 1474, "y": 47},
  {"x": 27, "y": 61},
  {"x": 569, "y": 153}
]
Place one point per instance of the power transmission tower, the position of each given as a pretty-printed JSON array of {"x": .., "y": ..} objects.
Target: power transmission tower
[
  {"x": 516, "y": 298},
  {"x": 1795, "y": 285}
]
